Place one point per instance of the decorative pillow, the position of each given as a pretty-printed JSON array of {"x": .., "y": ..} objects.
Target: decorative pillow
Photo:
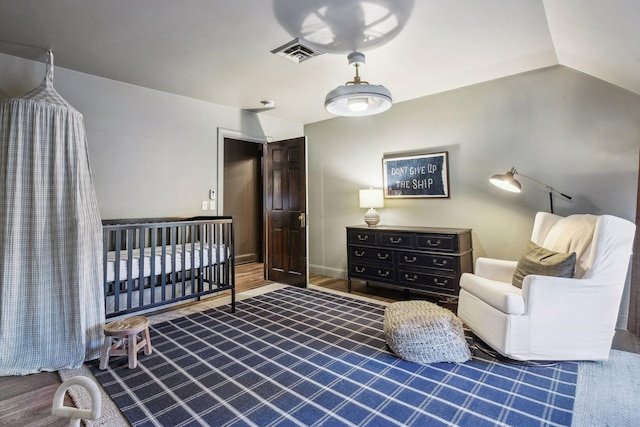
[{"x": 543, "y": 262}]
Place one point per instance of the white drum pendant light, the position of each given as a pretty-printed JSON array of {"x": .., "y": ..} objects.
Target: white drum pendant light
[{"x": 358, "y": 98}]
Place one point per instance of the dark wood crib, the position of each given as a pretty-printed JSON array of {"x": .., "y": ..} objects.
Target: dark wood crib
[{"x": 152, "y": 262}]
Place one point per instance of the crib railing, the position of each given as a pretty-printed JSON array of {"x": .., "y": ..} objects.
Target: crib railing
[{"x": 153, "y": 262}]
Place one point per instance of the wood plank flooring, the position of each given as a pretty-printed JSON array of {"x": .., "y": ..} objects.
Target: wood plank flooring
[{"x": 26, "y": 400}]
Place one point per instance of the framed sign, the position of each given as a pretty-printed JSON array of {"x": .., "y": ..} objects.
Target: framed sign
[{"x": 424, "y": 175}]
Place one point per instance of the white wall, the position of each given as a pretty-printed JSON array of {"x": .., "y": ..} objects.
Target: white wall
[
  {"x": 564, "y": 128},
  {"x": 152, "y": 154},
  {"x": 155, "y": 154}
]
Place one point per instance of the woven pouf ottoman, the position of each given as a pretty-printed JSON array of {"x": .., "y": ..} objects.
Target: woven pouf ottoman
[{"x": 423, "y": 332}]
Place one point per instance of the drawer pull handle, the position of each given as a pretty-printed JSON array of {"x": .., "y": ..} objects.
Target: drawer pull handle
[
  {"x": 363, "y": 238},
  {"x": 410, "y": 260},
  {"x": 383, "y": 274},
  {"x": 440, "y": 264},
  {"x": 434, "y": 244},
  {"x": 411, "y": 279},
  {"x": 359, "y": 269},
  {"x": 445, "y": 282},
  {"x": 359, "y": 253},
  {"x": 380, "y": 256},
  {"x": 395, "y": 241}
]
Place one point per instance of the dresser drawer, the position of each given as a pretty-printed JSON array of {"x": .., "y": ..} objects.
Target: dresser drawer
[
  {"x": 431, "y": 261},
  {"x": 438, "y": 282},
  {"x": 377, "y": 255},
  {"x": 363, "y": 237},
  {"x": 379, "y": 273},
  {"x": 397, "y": 240},
  {"x": 435, "y": 242}
]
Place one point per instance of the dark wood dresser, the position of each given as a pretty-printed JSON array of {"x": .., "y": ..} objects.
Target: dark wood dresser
[{"x": 420, "y": 259}]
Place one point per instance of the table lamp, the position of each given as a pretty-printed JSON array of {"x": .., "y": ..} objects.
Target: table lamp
[{"x": 371, "y": 198}]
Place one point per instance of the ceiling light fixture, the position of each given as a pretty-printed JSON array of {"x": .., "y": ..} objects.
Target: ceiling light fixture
[{"x": 358, "y": 98}]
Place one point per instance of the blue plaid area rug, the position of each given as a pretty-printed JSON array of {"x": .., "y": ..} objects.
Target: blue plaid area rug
[{"x": 300, "y": 357}]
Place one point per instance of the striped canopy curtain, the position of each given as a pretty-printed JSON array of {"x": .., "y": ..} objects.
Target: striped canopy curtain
[{"x": 51, "y": 300}]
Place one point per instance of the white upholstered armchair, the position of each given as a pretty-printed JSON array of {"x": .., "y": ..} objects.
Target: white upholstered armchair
[{"x": 553, "y": 318}]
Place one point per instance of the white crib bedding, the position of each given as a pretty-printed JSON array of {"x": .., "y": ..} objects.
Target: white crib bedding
[{"x": 182, "y": 256}]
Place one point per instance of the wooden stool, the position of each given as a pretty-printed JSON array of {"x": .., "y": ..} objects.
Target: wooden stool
[{"x": 121, "y": 339}]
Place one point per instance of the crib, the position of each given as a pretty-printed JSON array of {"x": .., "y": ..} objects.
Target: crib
[{"x": 153, "y": 262}]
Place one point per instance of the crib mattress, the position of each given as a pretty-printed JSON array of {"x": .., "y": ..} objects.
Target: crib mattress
[{"x": 183, "y": 260}]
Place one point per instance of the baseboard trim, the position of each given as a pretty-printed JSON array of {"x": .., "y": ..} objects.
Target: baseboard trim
[
  {"x": 623, "y": 320},
  {"x": 321, "y": 270}
]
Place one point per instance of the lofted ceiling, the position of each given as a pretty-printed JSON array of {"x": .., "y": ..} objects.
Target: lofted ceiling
[{"x": 220, "y": 50}]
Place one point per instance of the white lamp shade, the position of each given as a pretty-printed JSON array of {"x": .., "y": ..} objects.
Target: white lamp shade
[
  {"x": 371, "y": 198},
  {"x": 358, "y": 100},
  {"x": 506, "y": 182}
]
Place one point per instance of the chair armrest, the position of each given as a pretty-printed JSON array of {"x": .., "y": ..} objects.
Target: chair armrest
[
  {"x": 587, "y": 309},
  {"x": 502, "y": 296},
  {"x": 496, "y": 269}
]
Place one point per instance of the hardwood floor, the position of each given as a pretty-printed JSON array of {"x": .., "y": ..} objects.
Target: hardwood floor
[
  {"x": 26, "y": 400},
  {"x": 626, "y": 341}
]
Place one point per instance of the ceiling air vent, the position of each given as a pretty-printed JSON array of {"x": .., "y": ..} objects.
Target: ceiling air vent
[{"x": 297, "y": 50}]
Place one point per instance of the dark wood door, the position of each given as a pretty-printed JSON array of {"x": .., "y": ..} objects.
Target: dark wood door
[{"x": 286, "y": 206}]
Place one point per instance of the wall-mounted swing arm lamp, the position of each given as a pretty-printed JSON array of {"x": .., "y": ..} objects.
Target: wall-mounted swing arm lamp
[{"x": 509, "y": 183}]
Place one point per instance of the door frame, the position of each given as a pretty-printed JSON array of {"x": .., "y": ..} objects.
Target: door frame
[
  {"x": 233, "y": 134},
  {"x": 219, "y": 187}
]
